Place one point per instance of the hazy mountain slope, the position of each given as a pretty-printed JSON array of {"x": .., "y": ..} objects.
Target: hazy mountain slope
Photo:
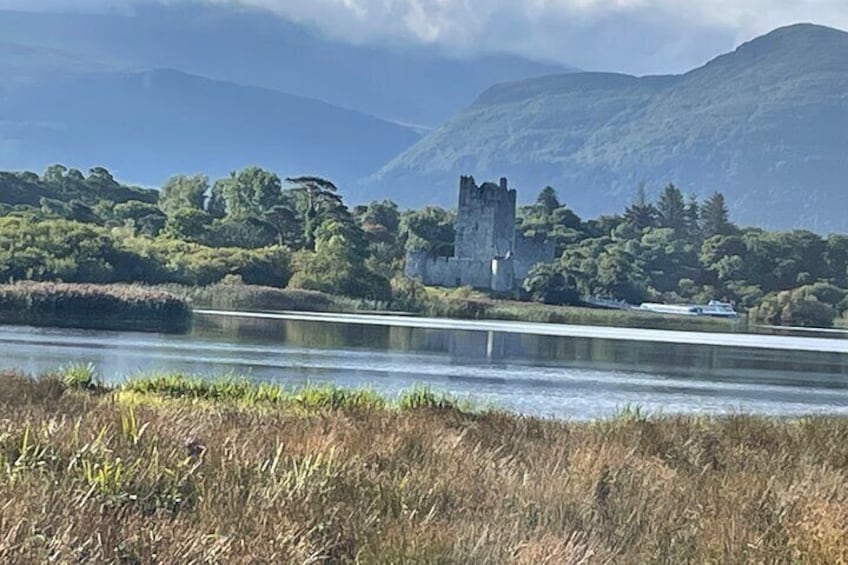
[
  {"x": 147, "y": 126},
  {"x": 418, "y": 85},
  {"x": 766, "y": 124},
  {"x": 21, "y": 62}
]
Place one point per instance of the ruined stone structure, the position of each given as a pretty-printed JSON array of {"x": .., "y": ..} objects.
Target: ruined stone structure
[{"x": 488, "y": 254}]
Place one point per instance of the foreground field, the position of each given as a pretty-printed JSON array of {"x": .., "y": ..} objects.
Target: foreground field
[{"x": 176, "y": 471}]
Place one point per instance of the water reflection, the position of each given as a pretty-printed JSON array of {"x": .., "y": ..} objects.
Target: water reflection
[
  {"x": 494, "y": 347},
  {"x": 541, "y": 375}
]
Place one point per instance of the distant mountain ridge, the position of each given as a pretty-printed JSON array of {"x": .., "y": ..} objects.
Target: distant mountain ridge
[
  {"x": 407, "y": 84},
  {"x": 766, "y": 124},
  {"x": 147, "y": 126},
  {"x": 235, "y": 87}
]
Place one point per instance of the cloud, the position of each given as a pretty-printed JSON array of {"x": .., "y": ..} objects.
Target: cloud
[{"x": 639, "y": 36}]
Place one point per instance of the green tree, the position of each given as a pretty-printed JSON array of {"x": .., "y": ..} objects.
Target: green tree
[
  {"x": 620, "y": 276},
  {"x": 550, "y": 220},
  {"x": 547, "y": 200},
  {"x": 667, "y": 257},
  {"x": 547, "y": 283},
  {"x": 641, "y": 214},
  {"x": 383, "y": 213},
  {"x": 317, "y": 201},
  {"x": 250, "y": 193},
  {"x": 836, "y": 258},
  {"x": 714, "y": 216},
  {"x": 55, "y": 174},
  {"x": 187, "y": 224},
  {"x": 692, "y": 218},
  {"x": 216, "y": 206},
  {"x": 54, "y": 249},
  {"x": 798, "y": 307},
  {"x": 183, "y": 193},
  {"x": 146, "y": 218},
  {"x": 671, "y": 210},
  {"x": 430, "y": 229},
  {"x": 284, "y": 221},
  {"x": 337, "y": 265}
]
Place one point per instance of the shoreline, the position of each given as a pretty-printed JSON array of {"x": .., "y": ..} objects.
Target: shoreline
[{"x": 759, "y": 341}]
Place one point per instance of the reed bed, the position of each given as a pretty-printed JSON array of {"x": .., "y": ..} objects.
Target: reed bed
[
  {"x": 447, "y": 304},
  {"x": 440, "y": 303},
  {"x": 251, "y": 297},
  {"x": 170, "y": 470},
  {"x": 91, "y": 306}
]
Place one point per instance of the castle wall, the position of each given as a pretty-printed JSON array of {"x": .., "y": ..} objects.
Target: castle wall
[
  {"x": 503, "y": 274},
  {"x": 528, "y": 252},
  {"x": 453, "y": 272}
]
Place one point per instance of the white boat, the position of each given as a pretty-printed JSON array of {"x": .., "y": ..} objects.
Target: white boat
[
  {"x": 670, "y": 309},
  {"x": 718, "y": 309},
  {"x": 714, "y": 308}
]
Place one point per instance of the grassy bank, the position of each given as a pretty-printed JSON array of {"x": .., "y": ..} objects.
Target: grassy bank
[
  {"x": 434, "y": 302},
  {"x": 166, "y": 308},
  {"x": 250, "y": 297},
  {"x": 110, "y": 307},
  {"x": 176, "y": 471},
  {"x": 464, "y": 303}
]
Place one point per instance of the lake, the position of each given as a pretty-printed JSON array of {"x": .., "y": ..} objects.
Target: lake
[{"x": 545, "y": 370}]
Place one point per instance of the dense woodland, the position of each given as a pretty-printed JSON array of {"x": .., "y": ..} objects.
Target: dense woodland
[{"x": 257, "y": 228}]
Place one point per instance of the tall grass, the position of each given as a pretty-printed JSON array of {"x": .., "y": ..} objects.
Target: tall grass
[
  {"x": 250, "y": 297},
  {"x": 239, "y": 296},
  {"x": 246, "y": 392},
  {"x": 100, "y": 478},
  {"x": 441, "y": 303},
  {"x": 112, "y": 307},
  {"x": 467, "y": 304}
]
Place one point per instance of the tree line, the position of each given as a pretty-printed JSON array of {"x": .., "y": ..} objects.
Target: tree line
[
  {"x": 678, "y": 249},
  {"x": 255, "y": 226}
]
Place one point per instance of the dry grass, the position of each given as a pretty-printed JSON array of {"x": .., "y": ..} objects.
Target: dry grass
[
  {"x": 465, "y": 303},
  {"x": 161, "y": 473},
  {"x": 93, "y": 306}
]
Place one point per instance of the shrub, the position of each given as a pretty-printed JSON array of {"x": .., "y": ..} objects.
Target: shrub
[
  {"x": 81, "y": 376},
  {"x": 798, "y": 307},
  {"x": 424, "y": 398}
]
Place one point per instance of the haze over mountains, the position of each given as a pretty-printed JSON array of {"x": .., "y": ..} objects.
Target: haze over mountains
[
  {"x": 767, "y": 125},
  {"x": 147, "y": 126},
  {"x": 133, "y": 93},
  {"x": 417, "y": 85},
  {"x": 183, "y": 89}
]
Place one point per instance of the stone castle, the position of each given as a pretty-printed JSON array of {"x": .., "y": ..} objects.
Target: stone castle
[{"x": 488, "y": 254}]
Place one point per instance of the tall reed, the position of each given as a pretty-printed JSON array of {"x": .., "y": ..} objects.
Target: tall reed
[
  {"x": 143, "y": 475},
  {"x": 90, "y": 306}
]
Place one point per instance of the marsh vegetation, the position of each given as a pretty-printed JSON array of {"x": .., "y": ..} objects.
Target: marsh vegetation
[{"x": 178, "y": 470}]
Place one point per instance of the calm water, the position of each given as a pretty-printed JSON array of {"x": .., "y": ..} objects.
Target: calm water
[{"x": 548, "y": 375}]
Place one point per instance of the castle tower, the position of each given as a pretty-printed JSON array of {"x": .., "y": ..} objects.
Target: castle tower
[{"x": 485, "y": 220}]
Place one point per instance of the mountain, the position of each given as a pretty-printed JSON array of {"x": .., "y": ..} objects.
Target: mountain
[
  {"x": 766, "y": 124},
  {"x": 21, "y": 62},
  {"x": 408, "y": 84},
  {"x": 147, "y": 126}
]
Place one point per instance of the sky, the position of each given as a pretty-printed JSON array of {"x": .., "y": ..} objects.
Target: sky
[{"x": 634, "y": 36}]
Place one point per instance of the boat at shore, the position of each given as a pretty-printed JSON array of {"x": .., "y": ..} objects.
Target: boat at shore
[{"x": 713, "y": 308}]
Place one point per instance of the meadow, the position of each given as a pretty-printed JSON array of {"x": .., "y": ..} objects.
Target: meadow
[{"x": 171, "y": 469}]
